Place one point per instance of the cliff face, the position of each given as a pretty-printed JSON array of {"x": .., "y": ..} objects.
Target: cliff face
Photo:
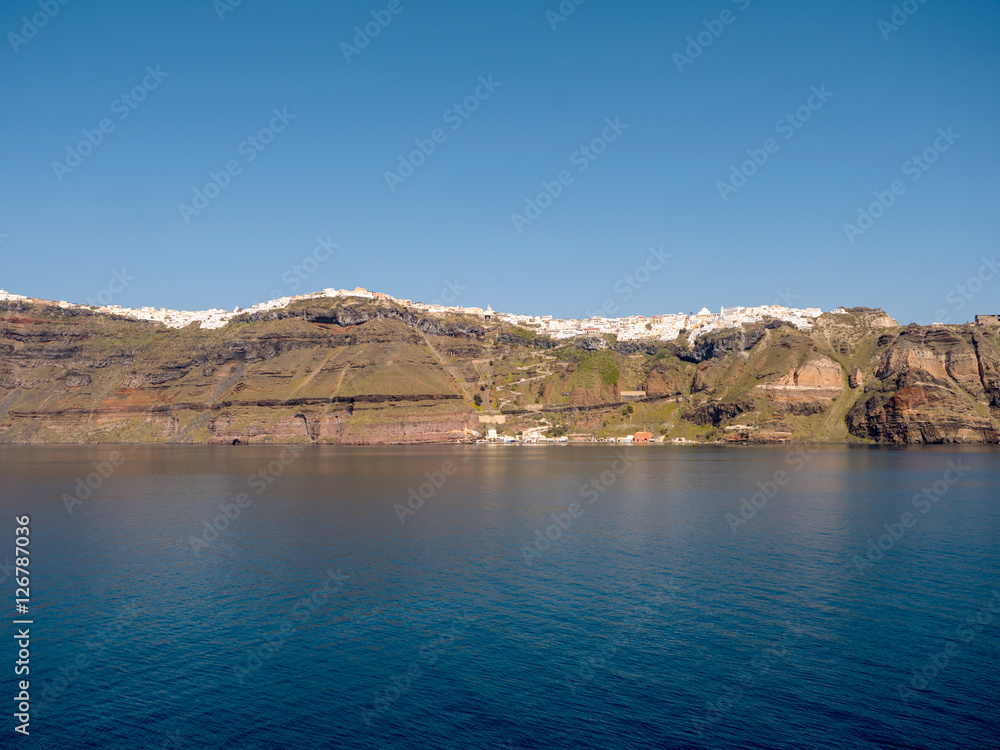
[
  {"x": 932, "y": 385},
  {"x": 346, "y": 375},
  {"x": 373, "y": 372}
]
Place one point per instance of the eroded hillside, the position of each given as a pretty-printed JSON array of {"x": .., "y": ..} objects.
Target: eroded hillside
[{"x": 361, "y": 372}]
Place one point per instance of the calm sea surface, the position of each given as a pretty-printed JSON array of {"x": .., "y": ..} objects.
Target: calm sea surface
[{"x": 506, "y": 597}]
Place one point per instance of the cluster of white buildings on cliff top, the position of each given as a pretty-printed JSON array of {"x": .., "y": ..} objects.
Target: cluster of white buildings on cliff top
[
  {"x": 636, "y": 327},
  {"x": 664, "y": 327},
  {"x": 214, "y": 318}
]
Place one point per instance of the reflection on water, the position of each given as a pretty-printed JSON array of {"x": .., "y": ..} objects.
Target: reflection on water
[{"x": 261, "y": 597}]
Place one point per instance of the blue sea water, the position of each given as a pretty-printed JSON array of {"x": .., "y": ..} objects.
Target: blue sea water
[{"x": 507, "y": 597}]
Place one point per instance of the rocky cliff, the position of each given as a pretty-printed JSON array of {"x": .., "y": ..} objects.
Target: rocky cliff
[{"x": 361, "y": 372}]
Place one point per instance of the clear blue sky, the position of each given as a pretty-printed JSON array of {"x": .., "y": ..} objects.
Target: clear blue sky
[{"x": 324, "y": 174}]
